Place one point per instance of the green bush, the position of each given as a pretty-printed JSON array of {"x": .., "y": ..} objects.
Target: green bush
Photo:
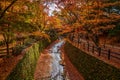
[
  {"x": 26, "y": 66},
  {"x": 18, "y": 49},
  {"x": 90, "y": 67}
]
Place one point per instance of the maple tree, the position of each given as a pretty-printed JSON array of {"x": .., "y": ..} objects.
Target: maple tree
[
  {"x": 5, "y": 26},
  {"x": 25, "y": 16},
  {"x": 92, "y": 18},
  {"x": 89, "y": 18}
]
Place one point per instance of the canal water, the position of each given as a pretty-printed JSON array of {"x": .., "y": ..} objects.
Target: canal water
[
  {"x": 57, "y": 69},
  {"x": 53, "y": 65}
]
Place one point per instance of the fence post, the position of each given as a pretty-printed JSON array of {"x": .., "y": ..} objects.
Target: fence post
[
  {"x": 93, "y": 49},
  {"x": 84, "y": 46},
  {"x": 88, "y": 47},
  {"x": 78, "y": 42},
  {"x": 109, "y": 54},
  {"x": 99, "y": 51},
  {"x": 72, "y": 38},
  {"x": 12, "y": 50}
]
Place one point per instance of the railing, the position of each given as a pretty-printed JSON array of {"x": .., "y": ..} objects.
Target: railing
[
  {"x": 3, "y": 52},
  {"x": 105, "y": 52}
]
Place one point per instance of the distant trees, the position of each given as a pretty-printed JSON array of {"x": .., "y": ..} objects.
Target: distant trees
[{"x": 92, "y": 18}]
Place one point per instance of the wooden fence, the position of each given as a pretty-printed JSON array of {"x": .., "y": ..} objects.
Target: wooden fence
[
  {"x": 3, "y": 52},
  {"x": 100, "y": 51}
]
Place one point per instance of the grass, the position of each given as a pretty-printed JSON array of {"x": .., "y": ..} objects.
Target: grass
[
  {"x": 90, "y": 67},
  {"x": 24, "y": 70}
]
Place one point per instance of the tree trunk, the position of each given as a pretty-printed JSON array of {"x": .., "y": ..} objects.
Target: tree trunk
[{"x": 7, "y": 48}]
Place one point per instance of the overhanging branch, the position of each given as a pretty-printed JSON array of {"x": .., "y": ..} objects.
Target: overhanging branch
[{"x": 3, "y": 13}]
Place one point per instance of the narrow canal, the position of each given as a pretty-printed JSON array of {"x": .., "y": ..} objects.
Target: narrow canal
[
  {"x": 57, "y": 68},
  {"x": 50, "y": 64},
  {"x": 54, "y": 64}
]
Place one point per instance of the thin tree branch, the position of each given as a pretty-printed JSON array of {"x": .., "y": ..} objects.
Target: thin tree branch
[{"x": 3, "y": 13}]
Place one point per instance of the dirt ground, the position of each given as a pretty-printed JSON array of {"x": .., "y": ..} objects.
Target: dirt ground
[
  {"x": 43, "y": 68},
  {"x": 8, "y": 64}
]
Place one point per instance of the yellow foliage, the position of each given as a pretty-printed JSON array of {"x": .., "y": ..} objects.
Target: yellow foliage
[{"x": 41, "y": 34}]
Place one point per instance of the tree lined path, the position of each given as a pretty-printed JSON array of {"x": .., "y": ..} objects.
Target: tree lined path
[{"x": 90, "y": 25}]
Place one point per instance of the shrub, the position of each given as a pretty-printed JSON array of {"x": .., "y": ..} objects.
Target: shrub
[{"x": 24, "y": 70}]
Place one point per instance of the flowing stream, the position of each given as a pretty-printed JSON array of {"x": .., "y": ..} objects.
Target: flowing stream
[
  {"x": 53, "y": 65},
  {"x": 57, "y": 69}
]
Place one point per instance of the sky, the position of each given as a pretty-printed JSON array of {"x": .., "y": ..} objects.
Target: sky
[{"x": 52, "y": 7}]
